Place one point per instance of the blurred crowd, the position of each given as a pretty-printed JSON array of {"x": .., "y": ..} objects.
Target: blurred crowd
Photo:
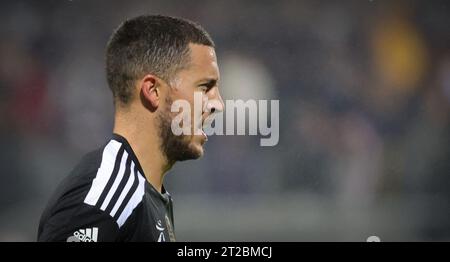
[{"x": 364, "y": 91}]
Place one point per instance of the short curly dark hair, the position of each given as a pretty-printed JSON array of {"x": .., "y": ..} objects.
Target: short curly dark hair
[{"x": 149, "y": 44}]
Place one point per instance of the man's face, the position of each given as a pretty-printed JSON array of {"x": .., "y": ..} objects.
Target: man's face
[{"x": 201, "y": 75}]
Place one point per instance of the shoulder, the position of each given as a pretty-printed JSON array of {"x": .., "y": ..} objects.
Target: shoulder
[
  {"x": 104, "y": 186},
  {"x": 107, "y": 180},
  {"x": 118, "y": 186}
]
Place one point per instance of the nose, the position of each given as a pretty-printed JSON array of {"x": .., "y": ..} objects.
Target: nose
[{"x": 215, "y": 102}]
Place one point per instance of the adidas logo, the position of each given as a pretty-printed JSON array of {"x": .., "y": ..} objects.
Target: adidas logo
[{"x": 84, "y": 235}]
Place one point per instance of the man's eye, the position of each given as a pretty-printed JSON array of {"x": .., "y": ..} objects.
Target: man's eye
[{"x": 205, "y": 88}]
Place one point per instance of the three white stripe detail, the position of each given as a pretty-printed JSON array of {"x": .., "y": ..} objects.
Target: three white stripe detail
[
  {"x": 124, "y": 191},
  {"x": 134, "y": 201},
  {"x": 103, "y": 175},
  {"x": 116, "y": 181},
  {"x": 104, "y": 172}
]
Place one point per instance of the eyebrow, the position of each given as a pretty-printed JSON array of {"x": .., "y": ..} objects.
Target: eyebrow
[{"x": 209, "y": 81}]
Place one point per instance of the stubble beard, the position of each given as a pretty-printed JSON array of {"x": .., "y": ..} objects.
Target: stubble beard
[{"x": 175, "y": 148}]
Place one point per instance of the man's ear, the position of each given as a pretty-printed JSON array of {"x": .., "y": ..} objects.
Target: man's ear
[{"x": 150, "y": 92}]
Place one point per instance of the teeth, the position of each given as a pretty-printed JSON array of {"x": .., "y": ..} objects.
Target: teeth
[{"x": 204, "y": 134}]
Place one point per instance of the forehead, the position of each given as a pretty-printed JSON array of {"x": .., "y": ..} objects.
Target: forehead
[{"x": 203, "y": 61}]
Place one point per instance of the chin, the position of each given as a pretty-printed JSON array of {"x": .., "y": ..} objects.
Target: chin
[
  {"x": 197, "y": 150},
  {"x": 181, "y": 148},
  {"x": 187, "y": 150}
]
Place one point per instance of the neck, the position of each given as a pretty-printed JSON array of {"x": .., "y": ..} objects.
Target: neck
[{"x": 144, "y": 140}]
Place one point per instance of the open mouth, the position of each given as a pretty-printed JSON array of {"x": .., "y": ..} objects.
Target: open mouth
[
  {"x": 201, "y": 127},
  {"x": 203, "y": 133}
]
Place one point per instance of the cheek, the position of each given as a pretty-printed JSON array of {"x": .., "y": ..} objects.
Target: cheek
[
  {"x": 186, "y": 97},
  {"x": 186, "y": 93}
]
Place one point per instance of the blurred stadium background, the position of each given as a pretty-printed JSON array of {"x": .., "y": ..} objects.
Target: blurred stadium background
[{"x": 364, "y": 90}]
